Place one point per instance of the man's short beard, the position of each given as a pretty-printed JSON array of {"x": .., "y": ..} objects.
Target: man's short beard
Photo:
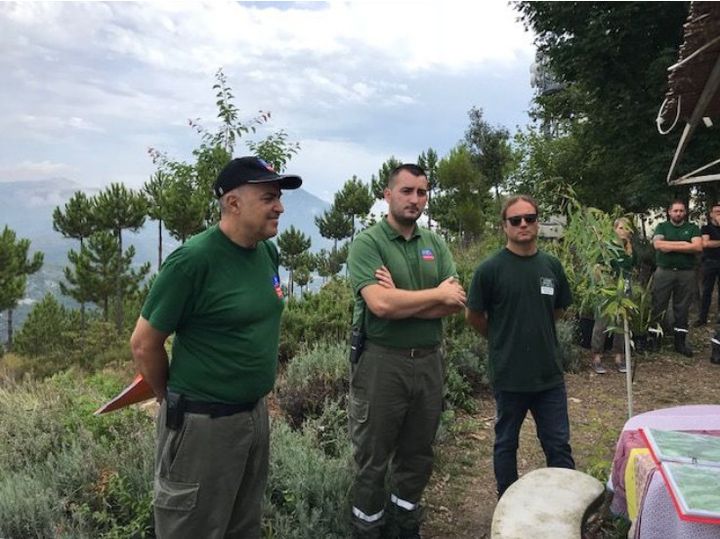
[
  {"x": 677, "y": 222},
  {"x": 405, "y": 221}
]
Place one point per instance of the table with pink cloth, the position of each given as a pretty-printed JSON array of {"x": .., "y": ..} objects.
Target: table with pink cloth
[{"x": 656, "y": 515}]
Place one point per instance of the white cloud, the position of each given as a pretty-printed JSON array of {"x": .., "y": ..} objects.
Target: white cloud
[
  {"x": 94, "y": 84},
  {"x": 28, "y": 170}
]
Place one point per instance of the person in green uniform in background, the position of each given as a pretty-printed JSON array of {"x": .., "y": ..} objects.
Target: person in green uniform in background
[
  {"x": 622, "y": 265},
  {"x": 405, "y": 282},
  {"x": 515, "y": 297},
  {"x": 220, "y": 295},
  {"x": 676, "y": 242}
]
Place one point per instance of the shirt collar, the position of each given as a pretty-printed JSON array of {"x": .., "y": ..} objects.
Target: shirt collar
[{"x": 393, "y": 234}]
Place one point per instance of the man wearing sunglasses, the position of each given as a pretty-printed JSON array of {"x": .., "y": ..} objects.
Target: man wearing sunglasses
[{"x": 514, "y": 299}]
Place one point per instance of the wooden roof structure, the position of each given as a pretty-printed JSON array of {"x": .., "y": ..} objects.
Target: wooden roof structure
[{"x": 693, "y": 96}]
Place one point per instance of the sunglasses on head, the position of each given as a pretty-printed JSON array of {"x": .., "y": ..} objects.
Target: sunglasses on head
[{"x": 515, "y": 220}]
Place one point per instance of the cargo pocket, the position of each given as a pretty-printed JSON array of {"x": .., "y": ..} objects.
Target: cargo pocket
[
  {"x": 175, "y": 495},
  {"x": 358, "y": 409}
]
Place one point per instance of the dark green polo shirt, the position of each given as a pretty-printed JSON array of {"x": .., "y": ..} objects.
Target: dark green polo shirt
[
  {"x": 520, "y": 294},
  {"x": 423, "y": 261},
  {"x": 685, "y": 232}
]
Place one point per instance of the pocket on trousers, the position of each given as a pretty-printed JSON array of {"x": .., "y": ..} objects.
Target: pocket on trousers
[
  {"x": 358, "y": 409},
  {"x": 175, "y": 495}
]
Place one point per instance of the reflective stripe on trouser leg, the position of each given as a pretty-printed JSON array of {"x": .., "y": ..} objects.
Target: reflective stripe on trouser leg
[
  {"x": 403, "y": 504},
  {"x": 680, "y": 330},
  {"x": 715, "y": 341},
  {"x": 367, "y": 518}
]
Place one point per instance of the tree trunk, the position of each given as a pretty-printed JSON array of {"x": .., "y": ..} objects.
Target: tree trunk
[
  {"x": 159, "y": 244},
  {"x": 10, "y": 329},
  {"x": 118, "y": 286}
]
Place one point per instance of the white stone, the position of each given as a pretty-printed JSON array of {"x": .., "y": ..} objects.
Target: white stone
[{"x": 548, "y": 503}]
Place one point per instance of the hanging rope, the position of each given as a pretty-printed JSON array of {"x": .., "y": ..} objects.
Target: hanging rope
[{"x": 659, "y": 119}]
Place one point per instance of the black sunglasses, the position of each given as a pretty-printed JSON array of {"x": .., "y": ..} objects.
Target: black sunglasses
[{"x": 515, "y": 220}]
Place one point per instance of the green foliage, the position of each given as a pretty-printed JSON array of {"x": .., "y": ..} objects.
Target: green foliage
[
  {"x": 77, "y": 220},
  {"x": 311, "y": 378},
  {"x": 462, "y": 201},
  {"x": 14, "y": 269},
  {"x": 67, "y": 473},
  {"x": 335, "y": 225},
  {"x": 490, "y": 149},
  {"x": 45, "y": 331},
  {"x": 275, "y": 149},
  {"x": 570, "y": 354},
  {"x": 612, "y": 59},
  {"x": 99, "y": 271},
  {"x": 323, "y": 316},
  {"x": 355, "y": 200},
  {"x": 309, "y": 483},
  {"x": 329, "y": 263},
  {"x": 293, "y": 244},
  {"x": 466, "y": 360},
  {"x": 379, "y": 183}
]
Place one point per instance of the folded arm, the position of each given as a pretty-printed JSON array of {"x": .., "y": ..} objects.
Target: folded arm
[
  {"x": 695, "y": 245},
  {"x": 387, "y": 301}
]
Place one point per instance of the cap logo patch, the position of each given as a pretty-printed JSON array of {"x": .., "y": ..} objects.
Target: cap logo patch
[
  {"x": 266, "y": 165},
  {"x": 427, "y": 254},
  {"x": 277, "y": 287}
]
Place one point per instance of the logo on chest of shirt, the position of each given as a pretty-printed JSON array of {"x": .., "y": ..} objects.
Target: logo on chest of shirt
[
  {"x": 547, "y": 286},
  {"x": 427, "y": 254},
  {"x": 277, "y": 287}
]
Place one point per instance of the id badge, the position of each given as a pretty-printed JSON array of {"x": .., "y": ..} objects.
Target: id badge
[{"x": 547, "y": 287}]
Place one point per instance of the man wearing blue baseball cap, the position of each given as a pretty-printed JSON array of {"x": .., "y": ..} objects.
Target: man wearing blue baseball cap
[{"x": 220, "y": 295}]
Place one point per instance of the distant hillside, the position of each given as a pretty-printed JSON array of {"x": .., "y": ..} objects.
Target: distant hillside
[{"x": 27, "y": 207}]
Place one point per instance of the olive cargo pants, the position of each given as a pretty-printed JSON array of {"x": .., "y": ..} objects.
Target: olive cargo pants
[
  {"x": 394, "y": 411},
  {"x": 210, "y": 475}
]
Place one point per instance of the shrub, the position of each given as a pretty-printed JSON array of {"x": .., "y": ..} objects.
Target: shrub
[
  {"x": 67, "y": 473},
  {"x": 321, "y": 316},
  {"x": 308, "y": 488},
  {"x": 312, "y": 377},
  {"x": 466, "y": 357},
  {"x": 570, "y": 354}
]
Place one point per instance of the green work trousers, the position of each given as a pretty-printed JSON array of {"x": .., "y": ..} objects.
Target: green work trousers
[
  {"x": 681, "y": 285},
  {"x": 395, "y": 405},
  {"x": 210, "y": 475}
]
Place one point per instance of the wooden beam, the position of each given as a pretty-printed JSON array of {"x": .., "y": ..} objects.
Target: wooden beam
[
  {"x": 696, "y": 179},
  {"x": 706, "y": 96}
]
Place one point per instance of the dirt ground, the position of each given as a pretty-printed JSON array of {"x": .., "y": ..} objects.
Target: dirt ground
[{"x": 461, "y": 498}]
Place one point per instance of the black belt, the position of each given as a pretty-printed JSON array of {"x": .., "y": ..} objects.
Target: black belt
[
  {"x": 217, "y": 409},
  {"x": 677, "y": 269},
  {"x": 405, "y": 352}
]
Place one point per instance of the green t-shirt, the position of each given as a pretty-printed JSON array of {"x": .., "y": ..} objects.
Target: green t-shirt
[
  {"x": 685, "y": 232},
  {"x": 423, "y": 261},
  {"x": 519, "y": 295},
  {"x": 223, "y": 302}
]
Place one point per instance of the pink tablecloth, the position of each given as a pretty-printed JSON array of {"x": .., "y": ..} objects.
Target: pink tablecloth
[{"x": 657, "y": 517}]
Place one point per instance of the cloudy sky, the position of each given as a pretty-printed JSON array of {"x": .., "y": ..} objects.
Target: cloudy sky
[{"x": 88, "y": 87}]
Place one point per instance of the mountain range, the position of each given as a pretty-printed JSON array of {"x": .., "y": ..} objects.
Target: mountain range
[{"x": 27, "y": 207}]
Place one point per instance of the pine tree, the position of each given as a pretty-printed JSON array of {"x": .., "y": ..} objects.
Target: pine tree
[
  {"x": 185, "y": 205},
  {"x": 355, "y": 200},
  {"x": 78, "y": 222},
  {"x": 118, "y": 208},
  {"x": 379, "y": 183},
  {"x": 292, "y": 244},
  {"x": 334, "y": 225},
  {"x": 428, "y": 161},
  {"x": 98, "y": 270},
  {"x": 14, "y": 270},
  {"x": 154, "y": 190}
]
